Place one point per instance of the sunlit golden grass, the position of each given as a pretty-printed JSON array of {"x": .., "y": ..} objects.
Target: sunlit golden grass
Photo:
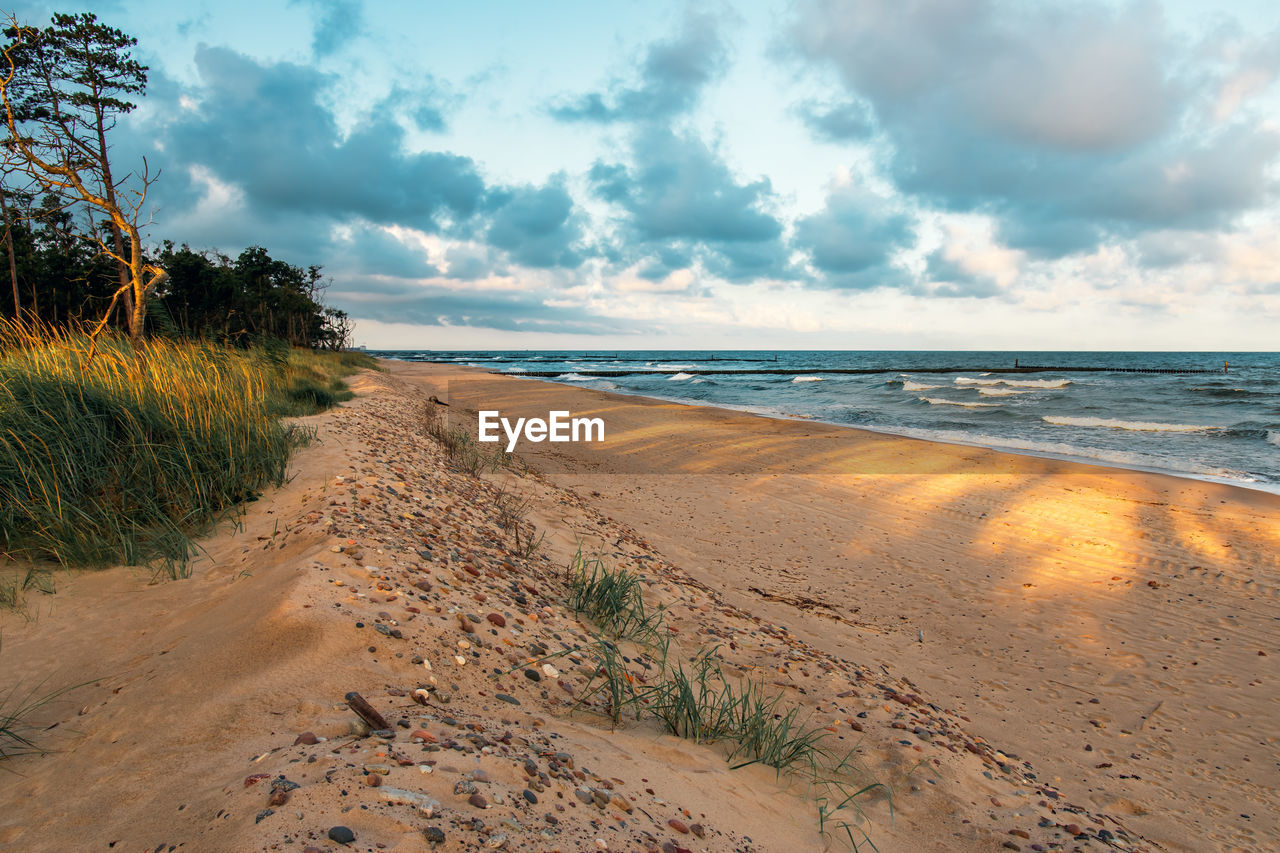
[{"x": 122, "y": 457}]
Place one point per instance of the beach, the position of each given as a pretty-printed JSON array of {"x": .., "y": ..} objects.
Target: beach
[{"x": 1028, "y": 653}]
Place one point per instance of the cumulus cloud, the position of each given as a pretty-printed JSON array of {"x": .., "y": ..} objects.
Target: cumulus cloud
[
  {"x": 252, "y": 155},
  {"x": 1068, "y": 123},
  {"x": 538, "y": 226},
  {"x": 672, "y": 76},
  {"x": 853, "y": 239},
  {"x": 264, "y": 129},
  {"x": 680, "y": 199}
]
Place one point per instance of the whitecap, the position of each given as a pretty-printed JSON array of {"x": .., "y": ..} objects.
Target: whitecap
[
  {"x": 807, "y": 379},
  {"x": 1002, "y": 392},
  {"x": 908, "y": 385},
  {"x": 1136, "y": 426},
  {"x": 573, "y": 377},
  {"x": 515, "y": 370},
  {"x": 1015, "y": 383},
  {"x": 679, "y": 377},
  {"x": 1273, "y": 436},
  {"x": 936, "y": 401}
]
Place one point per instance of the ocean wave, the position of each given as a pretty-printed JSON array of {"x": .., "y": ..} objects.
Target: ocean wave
[
  {"x": 700, "y": 381},
  {"x": 1136, "y": 426},
  {"x": 573, "y": 377},
  {"x": 1128, "y": 459},
  {"x": 807, "y": 379},
  {"x": 679, "y": 377},
  {"x": 514, "y": 370},
  {"x": 1015, "y": 383},
  {"x": 1273, "y": 436},
  {"x": 1002, "y": 392},
  {"x": 937, "y": 401},
  {"x": 1230, "y": 392},
  {"x": 908, "y": 385},
  {"x": 661, "y": 366}
]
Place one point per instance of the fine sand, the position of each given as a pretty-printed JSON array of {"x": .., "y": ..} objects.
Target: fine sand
[{"x": 1028, "y": 652}]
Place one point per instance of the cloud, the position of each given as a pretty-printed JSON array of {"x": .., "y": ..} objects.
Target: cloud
[
  {"x": 537, "y": 226},
  {"x": 842, "y": 122},
  {"x": 852, "y": 240},
  {"x": 680, "y": 199},
  {"x": 677, "y": 187},
  {"x": 1070, "y": 124},
  {"x": 253, "y": 156},
  {"x": 263, "y": 128},
  {"x": 337, "y": 23},
  {"x": 672, "y": 76},
  {"x": 430, "y": 305}
]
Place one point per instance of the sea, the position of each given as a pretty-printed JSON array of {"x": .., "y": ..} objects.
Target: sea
[{"x": 1113, "y": 408}]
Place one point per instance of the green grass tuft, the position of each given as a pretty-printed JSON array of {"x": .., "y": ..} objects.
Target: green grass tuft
[
  {"x": 611, "y": 598},
  {"x": 461, "y": 450},
  {"x": 697, "y": 701}
]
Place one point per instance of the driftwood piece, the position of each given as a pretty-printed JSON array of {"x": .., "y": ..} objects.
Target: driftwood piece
[{"x": 365, "y": 711}]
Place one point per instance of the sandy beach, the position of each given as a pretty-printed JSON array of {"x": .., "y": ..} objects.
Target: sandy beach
[{"x": 1030, "y": 654}]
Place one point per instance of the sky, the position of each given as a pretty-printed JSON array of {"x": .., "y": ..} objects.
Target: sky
[{"x": 819, "y": 174}]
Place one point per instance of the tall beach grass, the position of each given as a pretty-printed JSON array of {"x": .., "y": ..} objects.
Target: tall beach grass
[{"x": 123, "y": 456}]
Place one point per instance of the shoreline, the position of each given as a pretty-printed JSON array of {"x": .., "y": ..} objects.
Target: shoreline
[
  {"x": 1268, "y": 488},
  {"x": 890, "y": 608}
]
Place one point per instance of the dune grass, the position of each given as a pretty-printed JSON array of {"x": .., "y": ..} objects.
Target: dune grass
[
  {"x": 124, "y": 456},
  {"x": 696, "y": 700},
  {"x": 463, "y": 452},
  {"x": 611, "y": 598}
]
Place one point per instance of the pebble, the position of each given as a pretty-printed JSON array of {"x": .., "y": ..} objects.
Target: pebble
[
  {"x": 496, "y": 842},
  {"x": 307, "y": 738},
  {"x": 478, "y": 801},
  {"x": 530, "y": 796},
  {"x": 433, "y": 835},
  {"x": 341, "y": 835},
  {"x": 497, "y": 620},
  {"x": 678, "y": 826}
]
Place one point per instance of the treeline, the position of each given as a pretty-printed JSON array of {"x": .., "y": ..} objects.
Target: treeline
[
  {"x": 61, "y": 280},
  {"x": 73, "y": 245}
]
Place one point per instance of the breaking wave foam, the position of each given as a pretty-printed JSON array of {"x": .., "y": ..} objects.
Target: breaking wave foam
[
  {"x": 908, "y": 385},
  {"x": 1015, "y": 383},
  {"x": 1136, "y": 426},
  {"x": 807, "y": 379},
  {"x": 679, "y": 377},
  {"x": 937, "y": 401}
]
